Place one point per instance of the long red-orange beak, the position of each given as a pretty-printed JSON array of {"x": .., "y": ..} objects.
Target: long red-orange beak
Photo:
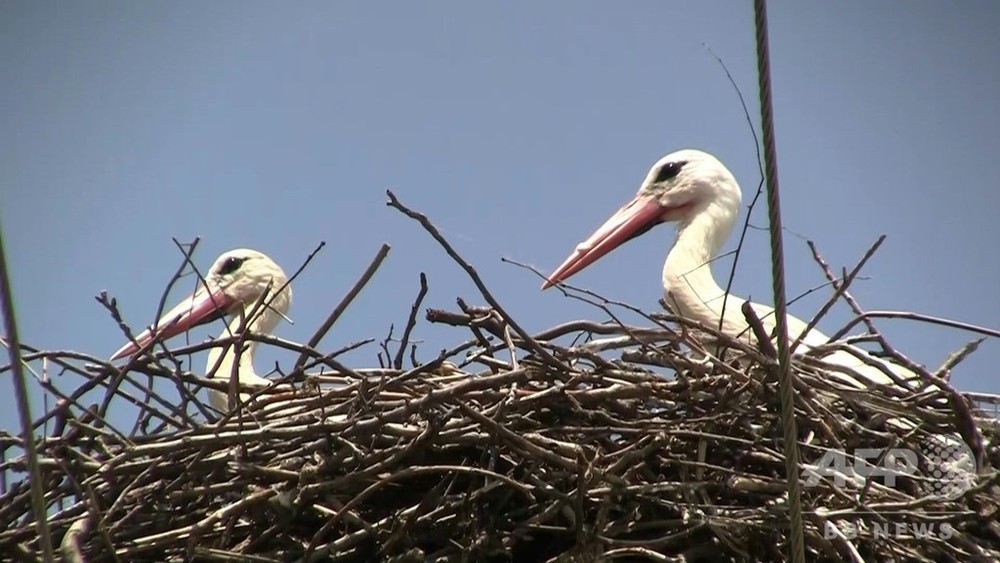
[
  {"x": 633, "y": 219},
  {"x": 202, "y": 307}
]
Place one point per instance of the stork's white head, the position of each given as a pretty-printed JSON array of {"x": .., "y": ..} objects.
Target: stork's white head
[
  {"x": 235, "y": 282},
  {"x": 681, "y": 186},
  {"x": 244, "y": 274},
  {"x": 687, "y": 180}
]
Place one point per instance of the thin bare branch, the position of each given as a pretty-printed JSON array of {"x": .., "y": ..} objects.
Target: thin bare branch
[
  {"x": 410, "y": 322},
  {"x": 433, "y": 231},
  {"x": 383, "y": 251}
]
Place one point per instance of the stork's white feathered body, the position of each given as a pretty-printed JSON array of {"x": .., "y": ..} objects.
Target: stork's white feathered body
[
  {"x": 697, "y": 191},
  {"x": 232, "y": 288}
]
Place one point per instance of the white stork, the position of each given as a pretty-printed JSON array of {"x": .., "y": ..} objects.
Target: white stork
[
  {"x": 233, "y": 286},
  {"x": 697, "y": 191}
]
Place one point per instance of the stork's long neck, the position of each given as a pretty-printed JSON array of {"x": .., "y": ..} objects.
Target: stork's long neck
[
  {"x": 221, "y": 359},
  {"x": 688, "y": 284}
]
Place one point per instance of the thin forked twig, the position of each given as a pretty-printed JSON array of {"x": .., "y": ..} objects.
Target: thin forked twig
[
  {"x": 117, "y": 378},
  {"x": 433, "y": 231},
  {"x": 756, "y": 195},
  {"x": 910, "y": 315},
  {"x": 839, "y": 288},
  {"x": 397, "y": 362}
]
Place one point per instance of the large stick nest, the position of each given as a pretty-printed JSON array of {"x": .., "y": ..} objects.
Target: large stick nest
[{"x": 587, "y": 441}]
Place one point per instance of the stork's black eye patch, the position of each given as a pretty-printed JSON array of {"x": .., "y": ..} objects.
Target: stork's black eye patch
[
  {"x": 231, "y": 264},
  {"x": 669, "y": 170}
]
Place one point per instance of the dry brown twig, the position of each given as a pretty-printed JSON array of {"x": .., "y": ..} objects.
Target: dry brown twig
[
  {"x": 383, "y": 251},
  {"x": 433, "y": 231},
  {"x": 411, "y": 322}
]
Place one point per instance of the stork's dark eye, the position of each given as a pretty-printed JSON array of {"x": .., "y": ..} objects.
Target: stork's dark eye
[
  {"x": 231, "y": 264},
  {"x": 669, "y": 170}
]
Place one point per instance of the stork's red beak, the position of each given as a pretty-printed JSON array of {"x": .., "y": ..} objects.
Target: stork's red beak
[
  {"x": 202, "y": 307},
  {"x": 632, "y": 220}
]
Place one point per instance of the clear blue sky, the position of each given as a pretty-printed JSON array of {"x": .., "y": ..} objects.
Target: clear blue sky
[{"x": 517, "y": 127}]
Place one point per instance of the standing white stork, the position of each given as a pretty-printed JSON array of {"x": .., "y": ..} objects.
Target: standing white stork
[
  {"x": 697, "y": 191},
  {"x": 233, "y": 286}
]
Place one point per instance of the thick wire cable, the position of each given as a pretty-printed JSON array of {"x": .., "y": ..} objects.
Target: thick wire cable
[
  {"x": 796, "y": 539},
  {"x": 36, "y": 484}
]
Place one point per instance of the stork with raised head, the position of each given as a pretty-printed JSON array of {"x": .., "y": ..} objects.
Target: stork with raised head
[
  {"x": 698, "y": 192},
  {"x": 233, "y": 286}
]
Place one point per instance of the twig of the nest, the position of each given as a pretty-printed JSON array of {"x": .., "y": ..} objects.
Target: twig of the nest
[
  {"x": 411, "y": 322},
  {"x": 433, "y": 231},
  {"x": 383, "y": 251}
]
